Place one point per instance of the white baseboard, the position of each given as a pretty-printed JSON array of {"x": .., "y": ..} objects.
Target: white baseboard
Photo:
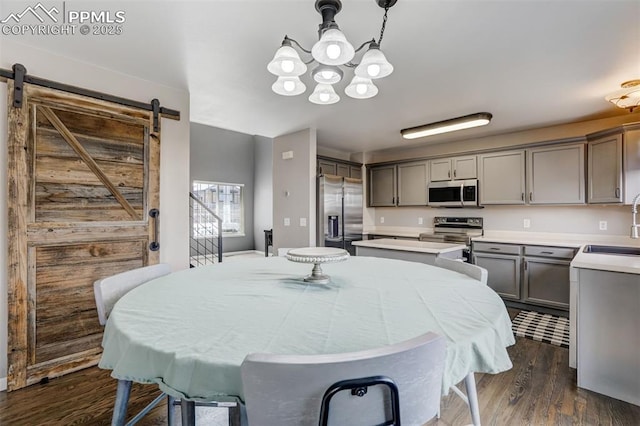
[{"x": 3, "y": 384}]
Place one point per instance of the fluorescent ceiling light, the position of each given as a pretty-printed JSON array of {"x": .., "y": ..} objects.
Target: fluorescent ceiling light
[{"x": 460, "y": 123}]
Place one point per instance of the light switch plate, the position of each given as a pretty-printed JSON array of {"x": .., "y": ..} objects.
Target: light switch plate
[
  {"x": 603, "y": 225},
  {"x": 303, "y": 221},
  {"x": 287, "y": 221},
  {"x": 381, "y": 219},
  {"x": 526, "y": 223},
  {"x": 287, "y": 155},
  {"x": 420, "y": 221}
]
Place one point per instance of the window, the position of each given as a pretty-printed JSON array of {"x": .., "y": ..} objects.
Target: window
[{"x": 226, "y": 201}]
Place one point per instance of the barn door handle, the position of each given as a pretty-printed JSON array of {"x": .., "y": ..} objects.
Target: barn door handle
[{"x": 155, "y": 244}]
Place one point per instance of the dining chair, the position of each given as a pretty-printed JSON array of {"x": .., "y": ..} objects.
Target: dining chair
[
  {"x": 107, "y": 291},
  {"x": 471, "y": 270},
  {"x": 394, "y": 385}
]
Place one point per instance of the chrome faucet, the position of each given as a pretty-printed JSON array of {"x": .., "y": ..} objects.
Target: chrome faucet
[{"x": 634, "y": 211}]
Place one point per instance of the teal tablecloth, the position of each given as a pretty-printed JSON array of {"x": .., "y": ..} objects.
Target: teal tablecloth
[{"x": 190, "y": 331}]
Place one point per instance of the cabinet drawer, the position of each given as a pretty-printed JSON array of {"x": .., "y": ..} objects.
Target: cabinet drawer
[
  {"x": 557, "y": 252},
  {"x": 497, "y": 248}
]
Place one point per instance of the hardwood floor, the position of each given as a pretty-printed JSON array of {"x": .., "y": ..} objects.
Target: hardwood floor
[{"x": 540, "y": 389}]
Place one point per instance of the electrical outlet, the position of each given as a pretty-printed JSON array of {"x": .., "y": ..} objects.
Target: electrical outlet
[
  {"x": 526, "y": 223},
  {"x": 287, "y": 221},
  {"x": 381, "y": 219},
  {"x": 603, "y": 225},
  {"x": 303, "y": 221},
  {"x": 420, "y": 221}
]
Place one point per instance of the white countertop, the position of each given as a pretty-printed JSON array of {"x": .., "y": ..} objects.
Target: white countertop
[
  {"x": 408, "y": 245},
  {"x": 606, "y": 262}
]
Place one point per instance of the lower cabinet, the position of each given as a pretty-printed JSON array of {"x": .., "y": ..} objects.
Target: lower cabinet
[
  {"x": 535, "y": 275},
  {"x": 503, "y": 272}
]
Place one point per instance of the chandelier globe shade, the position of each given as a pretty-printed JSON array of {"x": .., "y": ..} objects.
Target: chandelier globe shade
[
  {"x": 286, "y": 63},
  {"x": 288, "y": 86},
  {"x": 627, "y": 97},
  {"x": 327, "y": 74},
  {"x": 333, "y": 48},
  {"x": 374, "y": 64},
  {"x": 324, "y": 95},
  {"x": 361, "y": 88}
]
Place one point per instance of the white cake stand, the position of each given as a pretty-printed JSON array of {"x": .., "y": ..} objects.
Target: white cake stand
[{"x": 317, "y": 256}]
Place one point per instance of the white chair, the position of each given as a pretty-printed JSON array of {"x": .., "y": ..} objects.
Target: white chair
[
  {"x": 109, "y": 290},
  {"x": 352, "y": 389},
  {"x": 473, "y": 271}
]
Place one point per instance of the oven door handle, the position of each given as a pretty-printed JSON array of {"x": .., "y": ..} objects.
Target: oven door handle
[{"x": 462, "y": 194}]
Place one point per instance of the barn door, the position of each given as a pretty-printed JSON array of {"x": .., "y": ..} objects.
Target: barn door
[{"x": 83, "y": 176}]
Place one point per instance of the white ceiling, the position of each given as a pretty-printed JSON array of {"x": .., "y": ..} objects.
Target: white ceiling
[{"x": 530, "y": 63}]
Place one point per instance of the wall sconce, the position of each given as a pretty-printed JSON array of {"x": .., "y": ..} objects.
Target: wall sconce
[
  {"x": 451, "y": 125},
  {"x": 628, "y": 97}
]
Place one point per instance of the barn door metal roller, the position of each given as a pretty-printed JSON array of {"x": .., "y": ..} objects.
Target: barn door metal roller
[{"x": 19, "y": 75}]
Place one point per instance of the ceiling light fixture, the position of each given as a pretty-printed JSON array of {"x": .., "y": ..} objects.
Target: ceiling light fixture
[
  {"x": 331, "y": 51},
  {"x": 459, "y": 123},
  {"x": 628, "y": 97}
]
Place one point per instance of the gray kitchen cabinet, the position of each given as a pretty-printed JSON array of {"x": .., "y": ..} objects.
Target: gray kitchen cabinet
[
  {"x": 546, "y": 276},
  {"x": 382, "y": 186},
  {"x": 343, "y": 170},
  {"x": 503, "y": 272},
  {"x": 326, "y": 167},
  {"x": 613, "y": 172},
  {"x": 453, "y": 168},
  {"x": 503, "y": 264},
  {"x": 555, "y": 174},
  {"x": 543, "y": 279},
  {"x": 355, "y": 172},
  {"x": 604, "y": 170},
  {"x": 501, "y": 177},
  {"x": 336, "y": 167},
  {"x": 412, "y": 183},
  {"x": 606, "y": 338}
]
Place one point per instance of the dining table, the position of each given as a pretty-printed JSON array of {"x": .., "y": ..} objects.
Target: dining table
[{"x": 189, "y": 331}]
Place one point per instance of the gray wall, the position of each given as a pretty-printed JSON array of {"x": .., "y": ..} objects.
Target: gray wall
[
  {"x": 294, "y": 190},
  {"x": 221, "y": 155},
  {"x": 263, "y": 189}
]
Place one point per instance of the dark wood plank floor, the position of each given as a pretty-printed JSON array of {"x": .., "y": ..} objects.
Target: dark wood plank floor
[{"x": 540, "y": 389}]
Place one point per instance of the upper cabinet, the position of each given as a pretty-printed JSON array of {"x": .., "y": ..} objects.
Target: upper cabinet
[
  {"x": 453, "y": 168},
  {"x": 412, "y": 183},
  {"x": 330, "y": 166},
  {"x": 501, "y": 176},
  {"x": 555, "y": 174},
  {"x": 614, "y": 165},
  {"x": 382, "y": 186},
  {"x": 403, "y": 184},
  {"x": 605, "y": 170}
]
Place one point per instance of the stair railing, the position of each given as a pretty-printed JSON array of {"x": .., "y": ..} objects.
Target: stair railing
[{"x": 205, "y": 238}]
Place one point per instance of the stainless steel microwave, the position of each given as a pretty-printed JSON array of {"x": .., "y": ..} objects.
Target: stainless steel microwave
[{"x": 453, "y": 193}]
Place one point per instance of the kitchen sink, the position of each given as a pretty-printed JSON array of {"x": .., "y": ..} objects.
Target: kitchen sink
[{"x": 624, "y": 251}]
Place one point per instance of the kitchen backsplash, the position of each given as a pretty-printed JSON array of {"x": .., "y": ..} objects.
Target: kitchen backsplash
[{"x": 586, "y": 219}]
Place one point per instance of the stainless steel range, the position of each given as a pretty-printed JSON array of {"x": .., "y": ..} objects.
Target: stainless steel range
[{"x": 455, "y": 230}]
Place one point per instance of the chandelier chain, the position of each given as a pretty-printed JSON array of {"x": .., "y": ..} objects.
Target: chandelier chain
[{"x": 384, "y": 24}]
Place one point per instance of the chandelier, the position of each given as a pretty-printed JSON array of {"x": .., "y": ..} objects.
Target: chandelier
[
  {"x": 331, "y": 52},
  {"x": 628, "y": 96}
]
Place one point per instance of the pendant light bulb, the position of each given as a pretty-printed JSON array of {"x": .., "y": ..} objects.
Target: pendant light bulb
[
  {"x": 374, "y": 64},
  {"x": 333, "y": 48}
]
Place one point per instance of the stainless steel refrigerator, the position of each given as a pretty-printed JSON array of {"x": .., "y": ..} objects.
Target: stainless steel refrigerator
[{"x": 339, "y": 212}]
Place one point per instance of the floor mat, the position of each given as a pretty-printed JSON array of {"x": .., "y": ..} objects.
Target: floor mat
[{"x": 542, "y": 328}]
